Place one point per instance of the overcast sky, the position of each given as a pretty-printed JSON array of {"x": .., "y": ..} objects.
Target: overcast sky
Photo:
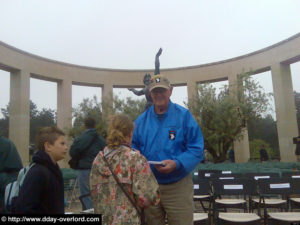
[{"x": 126, "y": 34}]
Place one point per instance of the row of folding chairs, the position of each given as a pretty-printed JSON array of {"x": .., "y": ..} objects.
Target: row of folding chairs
[
  {"x": 258, "y": 175},
  {"x": 218, "y": 192}
]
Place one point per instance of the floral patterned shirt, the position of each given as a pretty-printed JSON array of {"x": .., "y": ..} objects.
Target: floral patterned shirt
[{"x": 133, "y": 171}]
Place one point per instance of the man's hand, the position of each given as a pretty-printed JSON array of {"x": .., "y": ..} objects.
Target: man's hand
[{"x": 169, "y": 166}]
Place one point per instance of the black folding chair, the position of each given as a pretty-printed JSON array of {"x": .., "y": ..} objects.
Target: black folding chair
[
  {"x": 71, "y": 191},
  {"x": 287, "y": 218},
  {"x": 294, "y": 174},
  {"x": 208, "y": 174},
  {"x": 284, "y": 218},
  {"x": 201, "y": 219},
  {"x": 226, "y": 172},
  {"x": 273, "y": 193},
  {"x": 239, "y": 188},
  {"x": 228, "y": 176},
  {"x": 294, "y": 198},
  {"x": 257, "y": 176},
  {"x": 202, "y": 193},
  {"x": 254, "y": 201}
]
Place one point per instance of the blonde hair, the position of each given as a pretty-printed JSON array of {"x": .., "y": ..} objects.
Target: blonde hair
[
  {"x": 47, "y": 134},
  {"x": 120, "y": 127}
]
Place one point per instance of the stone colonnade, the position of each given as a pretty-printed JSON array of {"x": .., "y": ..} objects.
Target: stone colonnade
[{"x": 276, "y": 58}]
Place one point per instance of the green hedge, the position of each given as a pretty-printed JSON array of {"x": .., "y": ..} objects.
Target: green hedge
[{"x": 251, "y": 167}]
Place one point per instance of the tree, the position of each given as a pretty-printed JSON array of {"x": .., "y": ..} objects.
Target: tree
[
  {"x": 87, "y": 108},
  {"x": 264, "y": 129},
  {"x": 4, "y": 122},
  {"x": 101, "y": 111},
  {"x": 255, "y": 146},
  {"x": 223, "y": 117},
  {"x": 130, "y": 107},
  {"x": 38, "y": 119}
]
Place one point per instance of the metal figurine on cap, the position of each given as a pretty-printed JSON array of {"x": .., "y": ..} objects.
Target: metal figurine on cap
[{"x": 147, "y": 77}]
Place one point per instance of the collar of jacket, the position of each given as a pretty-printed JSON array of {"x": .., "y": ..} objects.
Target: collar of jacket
[
  {"x": 170, "y": 108},
  {"x": 89, "y": 130}
]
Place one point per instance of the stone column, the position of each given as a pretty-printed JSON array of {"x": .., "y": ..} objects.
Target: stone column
[
  {"x": 241, "y": 148},
  {"x": 191, "y": 89},
  {"x": 107, "y": 90},
  {"x": 19, "y": 113},
  {"x": 107, "y": 96},
  {"x": 64, "y": 112},
  {"x": 64, "y": 104},
  {"x": 285, "y": 111}
]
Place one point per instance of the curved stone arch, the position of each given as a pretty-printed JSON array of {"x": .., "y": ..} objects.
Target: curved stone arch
[{"x": 23, "y": 65}]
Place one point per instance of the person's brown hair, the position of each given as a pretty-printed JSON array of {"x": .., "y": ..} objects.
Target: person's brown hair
[
  {"x": 120, "y": 127},
  {"x": 47, "y": 134},
  {"x": 89, "y": 122}
]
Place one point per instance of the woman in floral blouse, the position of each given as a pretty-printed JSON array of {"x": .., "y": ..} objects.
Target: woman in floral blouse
[{"x": 133, "y": 172}]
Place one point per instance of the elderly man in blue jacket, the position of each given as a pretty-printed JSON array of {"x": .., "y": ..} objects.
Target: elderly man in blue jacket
[{"x": 168, "y": 133}]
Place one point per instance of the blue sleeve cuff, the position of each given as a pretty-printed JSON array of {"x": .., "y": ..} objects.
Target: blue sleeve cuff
[{"x": 178, "y": 164}]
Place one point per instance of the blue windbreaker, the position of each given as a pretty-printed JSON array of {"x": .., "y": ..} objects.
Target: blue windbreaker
[{"x": 177, "y": 137}]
